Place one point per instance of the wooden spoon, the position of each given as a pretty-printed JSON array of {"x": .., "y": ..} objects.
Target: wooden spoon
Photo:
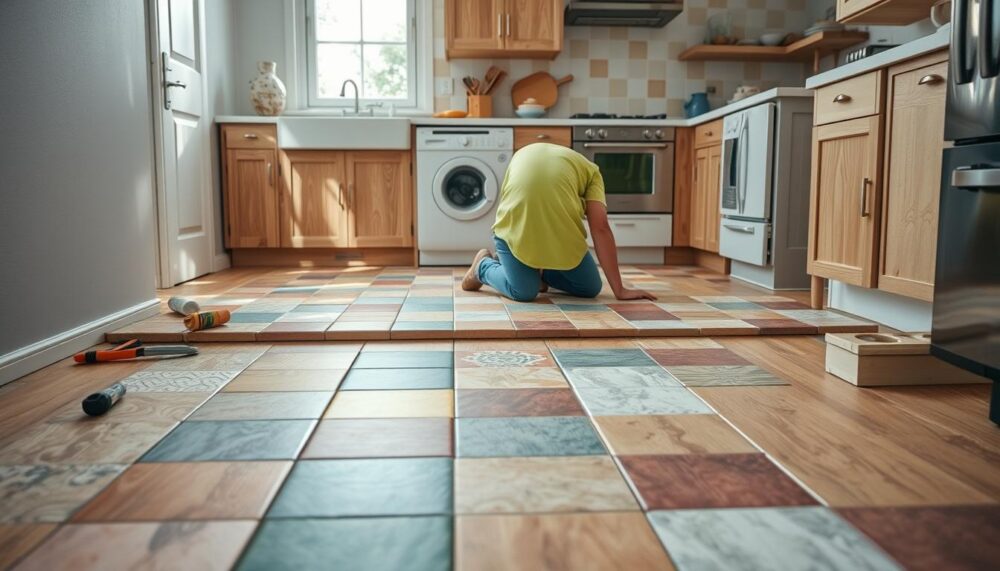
[
  {"x": 468, "y": 85},
  {"x": 493, "y": 76},
  {"x": 475, "y": 86}
]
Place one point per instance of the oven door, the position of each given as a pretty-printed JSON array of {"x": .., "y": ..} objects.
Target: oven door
[{"x": 638, "y": 177}]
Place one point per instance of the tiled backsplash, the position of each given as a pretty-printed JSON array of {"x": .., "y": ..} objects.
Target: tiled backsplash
[{"x": 636, "y": 70}]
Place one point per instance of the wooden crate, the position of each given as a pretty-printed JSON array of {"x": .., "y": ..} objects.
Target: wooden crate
[{"x": 882, "y": 359}]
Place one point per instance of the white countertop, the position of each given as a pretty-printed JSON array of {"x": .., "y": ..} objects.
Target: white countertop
[{"x": 932, "y": 43}]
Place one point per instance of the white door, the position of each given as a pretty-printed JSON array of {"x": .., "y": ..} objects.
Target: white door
[{"x": 184, "y": 190}]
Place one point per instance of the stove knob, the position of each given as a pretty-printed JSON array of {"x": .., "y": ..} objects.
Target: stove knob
[
  {"x": 602, "y": 133},
  {"x": 647, "y": 134},
  {"x": 464, "y": 141},
  {"x": 589, "y": 133},
  {"x": 658, "y": 134}
]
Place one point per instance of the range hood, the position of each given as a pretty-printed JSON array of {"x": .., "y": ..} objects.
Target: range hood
[{"x": 622, "y": 13}]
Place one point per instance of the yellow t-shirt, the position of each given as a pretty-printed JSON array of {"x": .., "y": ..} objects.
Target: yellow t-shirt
[{"x": 542, "y": 203}]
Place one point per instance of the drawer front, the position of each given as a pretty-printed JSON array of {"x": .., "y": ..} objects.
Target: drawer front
[
  {"x": 852, "y": 98},
  {"x": 637, "y": 230},
  {"x": 744, "y": 241},
  {"x": 250, "y": 136},
  {"x": 708, "y": 134},
  {"x": 524, "y": 136}
]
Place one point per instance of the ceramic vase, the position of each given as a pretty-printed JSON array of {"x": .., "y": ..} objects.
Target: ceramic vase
[{"x": 267, "y": 92}]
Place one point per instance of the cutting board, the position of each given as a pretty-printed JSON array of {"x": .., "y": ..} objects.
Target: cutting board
[{"x": 541, "y": 86}]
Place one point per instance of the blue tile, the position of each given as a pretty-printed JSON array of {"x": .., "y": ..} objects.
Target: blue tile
[
  {"x": 253, "y": 317},
  {"x": 404, "y": 360},
  {"x": 520, "y": 436},
  {"x": 232, "y": 440},
  {"x": 570, "y": 358},
  {"x": 423, "y": 326},
  {"x": 398, "y": 379},
  {"x": 515, "y": 307},
  {"x": 366, "y": 487},
  {"x": 296, "y": 289},
  {"x": 319, "y": 308},
  {"x": 642, "y": 400}
]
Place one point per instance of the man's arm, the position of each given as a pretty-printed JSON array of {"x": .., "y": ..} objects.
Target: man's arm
[{"x": 607, "y": 251}]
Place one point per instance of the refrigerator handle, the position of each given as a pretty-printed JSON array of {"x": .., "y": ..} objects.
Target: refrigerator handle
[
  {"x": 961, "y": 71},
  {"x": 987, "y": 63}
]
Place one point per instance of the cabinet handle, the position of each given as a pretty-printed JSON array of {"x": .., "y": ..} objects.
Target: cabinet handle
[
  {"x": 842, "y": 98},
  {"x": 508, "y": 24},
  {"x": 340, "y": 196},
  {"x": 350, "y": 195},
  {"x": 864, "y": 197},
  {"x": 930, "y": 79},
  {"x": 499, "y": 25},
  {"x": 708, "y": 133},
  {"x": 740, "y": 229},
  {"x": 625, "y": 224},
  {"x": 541, "y": 136},
  {"x": 249, "y": 135}
]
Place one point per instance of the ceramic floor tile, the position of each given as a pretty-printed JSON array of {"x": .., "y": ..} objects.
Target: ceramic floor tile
[
  {"x": 682, "y": 357},
  {"x": 372, "y": 544},
  {"x": 366, "y": 487},
  {"x": 253, "y": 317},
  {"x": 689, "y": 481},
  {"x": 404, "y": 360},
  {"x": 294, "y": 332},
  {"x": 232, "y": 440},
  {"x": 177, "y": 381},
  {"x": 673, "y": 434},
  {"x": 682, "y": 343},
  {"x": 83, "y": 442},
  {"x": 17, "y": 540},
  {"x": 278, "y": 381},
  {"x": 504, "y": 358},
  {"x": 48, "y": 492},
  {"x": 536, "y": 436},
  {"x": 573, "y": 358},
  {"x": 264, "y": 406},
  {"x": 302, "y": 361},
  {"x": 931, "y": 538},
  {"x": 641, "y": 400},
  {"x": 411, "y": 346},
  {"x": 783, "y": 326},
  {"x": 620, "y": 377},
  {"x": 188, "y": 491},
  {"x": 398, "y": 379},
  {"x": 765, "y": 538},
  {"x": 555, "y": 542},
  {"x": 310, "y": 347},
  {"x": 517, "y": 402},
  {"x": 540, "y": 485},
  {"x": 392, "y": 404},
  {"x": 209, "y": 546},
  {"x": 381, "y": 438},
  {"x": 509, "y": 378},
  {"x": 236, "y": 361},
  {"x": 724, "y": 376},
  {"x": 136, "y": 407}
]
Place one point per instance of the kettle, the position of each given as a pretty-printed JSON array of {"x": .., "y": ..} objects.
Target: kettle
[{"x": 697, "y": 105}]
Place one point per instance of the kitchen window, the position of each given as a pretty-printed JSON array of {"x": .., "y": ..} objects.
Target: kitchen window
[{"x": 371, "y": 42}]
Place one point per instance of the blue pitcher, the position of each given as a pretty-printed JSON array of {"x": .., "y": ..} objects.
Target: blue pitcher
[{"x": 697, "y": 105}]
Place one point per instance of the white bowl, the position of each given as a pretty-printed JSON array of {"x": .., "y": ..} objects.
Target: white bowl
[
  {"x": 772, "y": 39},
  {"x": 535, "y": 112}
]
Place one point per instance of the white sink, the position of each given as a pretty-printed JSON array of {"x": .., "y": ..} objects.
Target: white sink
[{"x": 344, "y": 133}]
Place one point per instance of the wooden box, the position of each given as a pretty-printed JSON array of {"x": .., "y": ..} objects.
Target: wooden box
[
  {"x": 882, "y": 359},
  {"x": 480, "y": 106}
]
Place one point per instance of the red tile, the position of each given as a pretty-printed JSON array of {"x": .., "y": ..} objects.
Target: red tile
[
  {"x": 685, "y": 357},
  {"x": 517, "y": 402}
]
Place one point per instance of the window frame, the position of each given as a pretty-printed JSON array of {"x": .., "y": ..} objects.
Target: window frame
[{"x": 313, "y": 100}]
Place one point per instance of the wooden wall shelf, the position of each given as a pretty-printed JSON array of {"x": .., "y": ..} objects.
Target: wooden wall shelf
[{"x": 810, "y": 48}]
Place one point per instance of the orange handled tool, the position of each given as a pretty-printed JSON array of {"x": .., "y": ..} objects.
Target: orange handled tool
[{"x": 133, "y": 349}]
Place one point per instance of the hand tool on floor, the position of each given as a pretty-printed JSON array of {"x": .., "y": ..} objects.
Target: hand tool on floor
[
  {"x": 183, "y": 305},
  {"x": 133, "y": 349},
  {"x": 102, "y": 401},
  {"x": 206, "y": 319}
]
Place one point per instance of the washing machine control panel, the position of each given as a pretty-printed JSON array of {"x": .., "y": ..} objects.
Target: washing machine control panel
[{"x": 464, "y": 138}]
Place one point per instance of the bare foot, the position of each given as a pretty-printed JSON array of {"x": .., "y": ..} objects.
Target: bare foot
[{"x": 470, "y": 282}]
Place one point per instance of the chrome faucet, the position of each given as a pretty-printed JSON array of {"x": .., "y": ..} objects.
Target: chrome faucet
[{"x": 343, "y": 90}]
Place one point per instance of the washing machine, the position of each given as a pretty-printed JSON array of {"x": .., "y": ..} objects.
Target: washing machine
[{"x": 459, "y": 173}]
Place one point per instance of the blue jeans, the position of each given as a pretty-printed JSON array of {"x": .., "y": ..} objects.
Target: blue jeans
[{"x": 519, "y": 282}]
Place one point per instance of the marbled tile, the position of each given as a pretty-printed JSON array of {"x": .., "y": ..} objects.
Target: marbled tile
[
  {"x": 540, "y": 485},
  {"x": 668, "y": 357},
  {"x": 208, "y": 545},
  {"x": 303, "y": 361},
  {"x": 278, "y": 381},
  {"x": 366, "y": 487},
  {"x": 724, "y": 376},
  {"x": 504, "y": 358},
  {"x": 933, "y": 537},
  {"x": 572, "y": 358},
  {"x": 641, "y": 400},
  {"x": 614, "y": 540},
  {"x": 137, "y": 407},
  {"x": 264, "y": 406},
  {"x": 206, "y": 361},
  {"x": 673, "y": 434},
  {"x": 392, "y": 404},
  {"x": 620, "y": 377},
  {"x": 232, "y": 440},
  {"x": 177, "y": 381},
  {"x": 509, "y": 378},
  {"x": 535, "y": 436},
  {"x": 686, "y": 481},
  {"x": 765, "y": 538},
  {"x": 381, "y": 438},
  {"x": 372, "y": 544},
  {"x": 17, "y": 540},
  {"x": 517, "y": 402},
  {"x": 188, "y": 491},
  {"x": 50, "y": 493},
  {"x": 398, "y": 379},
  {"x": 404, "y": 360},
  {"x": 83, "y": 442}
]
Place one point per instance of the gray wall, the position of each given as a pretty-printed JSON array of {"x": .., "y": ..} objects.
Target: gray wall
[
  {"x": 259, "y": 36},
  {"x": 77, "y": 220},
  {"x": 220, "y": 86}
]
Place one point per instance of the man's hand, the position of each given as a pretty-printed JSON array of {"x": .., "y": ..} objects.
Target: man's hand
[{"x": 626, "y": 293}]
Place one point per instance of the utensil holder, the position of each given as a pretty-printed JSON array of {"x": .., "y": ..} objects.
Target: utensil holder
[{"x": 480, "y": 106}]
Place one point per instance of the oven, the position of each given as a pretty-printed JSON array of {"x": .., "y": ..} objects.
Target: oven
[{"x": 637, "y": 164}]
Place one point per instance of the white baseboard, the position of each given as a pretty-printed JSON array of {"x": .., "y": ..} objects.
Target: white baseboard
[
  {"x": 221, "y": 262},
  {"x": 43, "y": 353}
]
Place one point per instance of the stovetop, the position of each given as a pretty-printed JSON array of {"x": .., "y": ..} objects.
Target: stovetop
[{"x": 615, "y": 116}]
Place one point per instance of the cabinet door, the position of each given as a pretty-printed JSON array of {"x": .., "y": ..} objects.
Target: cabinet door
[
  {"x": 251, "y": 198},
  {"x": 314, "y": 201},
  {"x": 380, "y": 199},
  {"x": 843, "y": 205},
  {"x": 848, "y": 8},
  {"x": 474, "y": 25},
  {"x": 915, "y": 139},
  {"x": 534, "y": 25},
  {"x": 698, "y": 202},
  {"x": 712, "y": 190}
]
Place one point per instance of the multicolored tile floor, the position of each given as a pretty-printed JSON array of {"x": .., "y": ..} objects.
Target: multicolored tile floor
[
  {"x": 428, "y": 303},
  {"x": 520, "y": 454}
]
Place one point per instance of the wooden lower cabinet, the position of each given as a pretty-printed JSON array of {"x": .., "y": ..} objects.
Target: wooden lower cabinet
[
  {"x": 251, "y": 198},
  {"x": 380, "y": 199},
  {"x": 712, "y": 191},
  {"x": 314, "y": 204},
  {"x": 704, "y": 211}
]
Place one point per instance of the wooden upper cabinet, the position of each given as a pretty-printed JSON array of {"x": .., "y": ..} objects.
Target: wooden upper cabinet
[
  {"x": 915, "y": 140},
  {"x": 503, "y": 28},
  {"x": 712, "y": 190},
  {"x": 251, "y": 198},
  {"x": 314, "y": 200},
  {"x": 843, "y": 205},
  {"x": 380, "y": 199},
  {"x": 884, "y": 12}
]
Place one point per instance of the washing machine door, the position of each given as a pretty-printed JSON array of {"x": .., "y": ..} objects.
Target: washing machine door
[{"x": 465, "y": 188}]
